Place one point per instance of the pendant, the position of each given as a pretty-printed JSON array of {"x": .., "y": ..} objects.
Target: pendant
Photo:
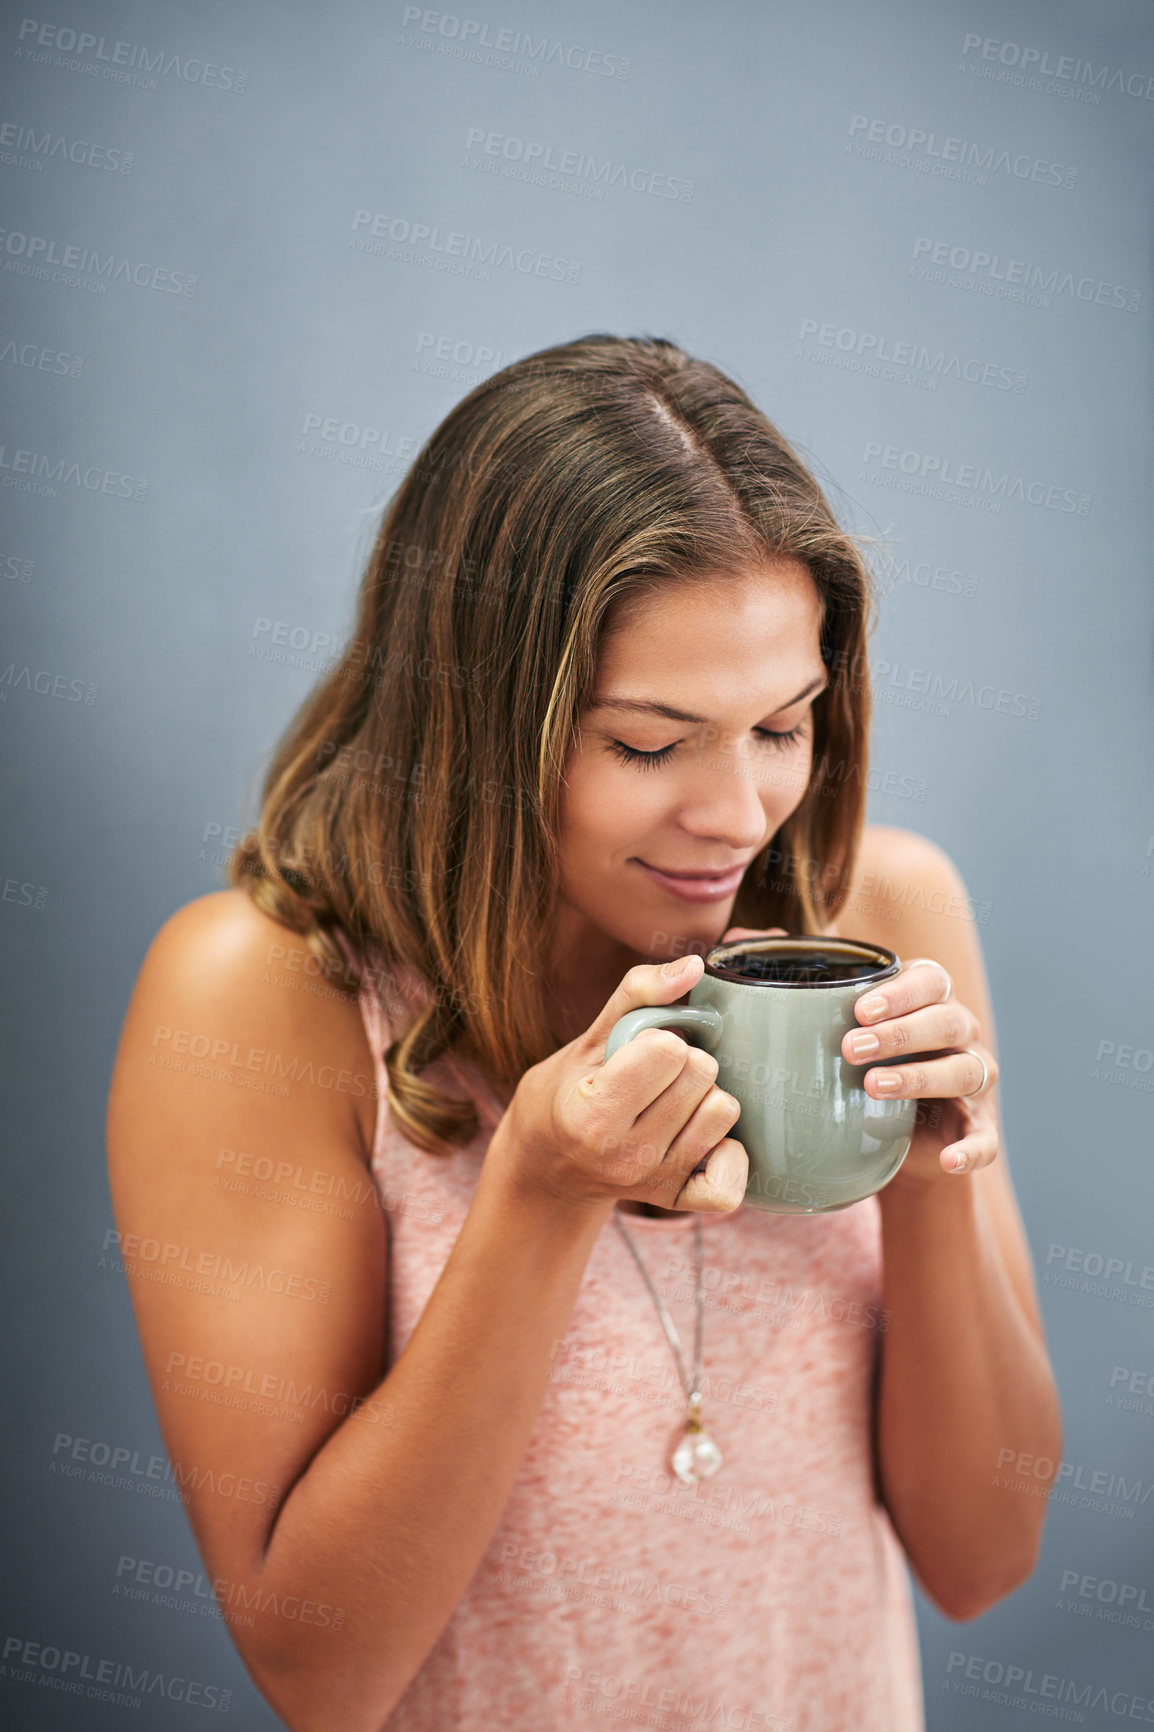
[{"x": 696, "y": 1456}]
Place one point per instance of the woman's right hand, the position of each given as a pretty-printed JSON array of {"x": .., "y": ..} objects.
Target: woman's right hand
[{"x": 589, "y": 1132}]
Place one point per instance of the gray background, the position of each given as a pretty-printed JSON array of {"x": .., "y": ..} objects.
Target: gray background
[{"x": 165, "y": 609}]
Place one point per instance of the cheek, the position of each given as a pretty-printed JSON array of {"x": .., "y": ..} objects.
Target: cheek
[
  {"x": 784, "y": 783},
  {"x": 602, "y": 805}
]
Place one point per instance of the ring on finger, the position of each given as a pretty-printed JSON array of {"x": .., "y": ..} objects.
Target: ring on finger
[
  {"x": 945, "y": 971},
  {"x": 985, "y": 1074}
]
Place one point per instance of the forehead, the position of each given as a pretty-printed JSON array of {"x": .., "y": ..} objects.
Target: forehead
[{"x": 758, "y": 629}]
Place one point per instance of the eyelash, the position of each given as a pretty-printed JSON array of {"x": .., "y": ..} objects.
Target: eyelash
[{"x": 654, "y": 760}]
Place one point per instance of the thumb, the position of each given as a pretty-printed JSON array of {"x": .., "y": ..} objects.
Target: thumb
[{"x": 647, "y": 983}]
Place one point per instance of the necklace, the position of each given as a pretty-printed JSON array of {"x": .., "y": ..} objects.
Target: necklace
[{"x": 696, "y": 1456}]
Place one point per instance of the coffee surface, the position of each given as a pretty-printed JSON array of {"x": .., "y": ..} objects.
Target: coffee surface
[{"x": 812, "y": 966}]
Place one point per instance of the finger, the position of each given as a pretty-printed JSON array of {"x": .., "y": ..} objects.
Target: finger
[
  {"x": 972, "y": 1152},
  {"x": 943, "y": 1025},
  {"x": 646, "y": 983},
  {"x": 664, "y": 1118},
  {"x": 914, "y": 987},
  {"x": 932, "y": 961},
  {"x": 676, "y": 1133},
  {"x": 686, "y": 1125},
  {"x": 946, "y": 1078},
  {"x": 638, "y": 1075},
  {"x": 719, "y": 1187}
]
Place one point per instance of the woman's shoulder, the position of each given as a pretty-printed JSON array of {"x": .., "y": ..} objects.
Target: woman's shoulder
[
  {"x": 222, "y": 945},
  {"x": 224, "y": 982},
  {"x": 228, "y": 921},
  {"x": 895, "y": 873},
  {"x": 887, "y": 849}
]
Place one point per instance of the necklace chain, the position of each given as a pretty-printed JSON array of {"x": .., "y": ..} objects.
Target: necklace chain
[
  {"x": 692, "y": 1390},
  {"x": 696, "y": 1456}
]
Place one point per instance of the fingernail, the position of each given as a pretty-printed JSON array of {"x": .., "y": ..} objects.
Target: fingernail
[
  {"x": 888, "y": 1081},
  {"x": 872, "y": 1007},
  {"x": 957, "y": 1161},
  {"x": 861, "y": 1045},
  {"x": 675, "y": 966}
]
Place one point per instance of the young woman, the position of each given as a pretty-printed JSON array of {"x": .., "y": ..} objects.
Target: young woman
[{"x": 395, "y": 1230}]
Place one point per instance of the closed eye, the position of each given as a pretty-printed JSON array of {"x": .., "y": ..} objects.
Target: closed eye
[{"x": 654, "y": 760}]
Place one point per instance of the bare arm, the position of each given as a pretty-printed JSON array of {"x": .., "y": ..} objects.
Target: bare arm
[
  {"x": 966, "y": 1384},
  {"x": 965, "y": 1387},
  {"x": 387, "y": 1504},
  {"x": 392, "y": 1519}
]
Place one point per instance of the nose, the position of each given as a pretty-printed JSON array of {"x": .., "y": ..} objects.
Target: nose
[{"x": 726, "y": 802}]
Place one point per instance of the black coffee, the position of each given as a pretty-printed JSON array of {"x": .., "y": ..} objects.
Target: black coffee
[{"x": 811, "y": 966}]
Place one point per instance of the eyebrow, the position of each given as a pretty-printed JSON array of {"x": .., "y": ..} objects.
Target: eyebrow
[{"x": 650, "y": 706}]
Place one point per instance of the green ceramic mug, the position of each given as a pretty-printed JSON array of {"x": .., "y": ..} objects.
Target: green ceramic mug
[{"x": 773, "y": 1012}]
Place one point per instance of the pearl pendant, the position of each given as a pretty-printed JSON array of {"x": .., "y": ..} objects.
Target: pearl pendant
[{"x": 696, "y": 1456}]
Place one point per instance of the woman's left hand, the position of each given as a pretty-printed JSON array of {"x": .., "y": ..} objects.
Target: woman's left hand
[{"x": 915, "y": 1034}]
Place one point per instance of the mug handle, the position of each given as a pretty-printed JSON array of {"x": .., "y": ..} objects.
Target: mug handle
[{"x": 697, "y": 1020}]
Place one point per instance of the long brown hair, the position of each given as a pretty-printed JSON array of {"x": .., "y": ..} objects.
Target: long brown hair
[{"x": 413, "y": 803}]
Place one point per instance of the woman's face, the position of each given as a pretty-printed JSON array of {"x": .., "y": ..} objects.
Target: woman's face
[{"x": 676, "y": 781}]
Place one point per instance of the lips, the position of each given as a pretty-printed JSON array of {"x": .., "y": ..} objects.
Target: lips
[
  {"x": 703, "y": 874},
  {"x": 699, "y": 886}
]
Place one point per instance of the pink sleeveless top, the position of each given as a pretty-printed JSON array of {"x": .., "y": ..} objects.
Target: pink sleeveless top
[{"x": 774, "y": 1595}]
